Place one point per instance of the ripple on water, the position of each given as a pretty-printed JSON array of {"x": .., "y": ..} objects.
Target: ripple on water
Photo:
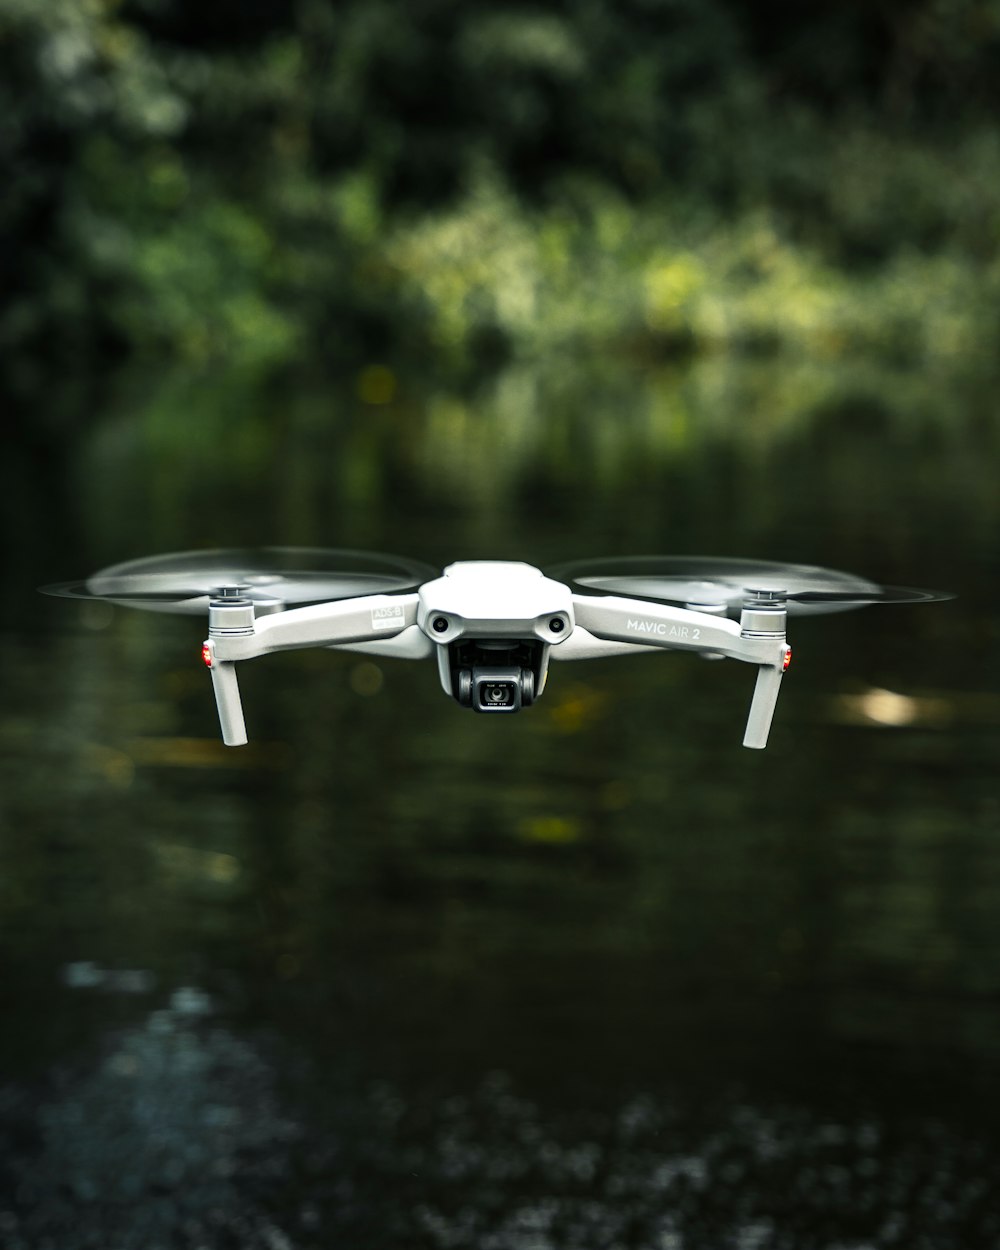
[{"x": 180, "y": 1138}]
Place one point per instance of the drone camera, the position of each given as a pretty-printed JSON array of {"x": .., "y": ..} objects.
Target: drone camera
[
  {"x": 496, "y": 675},
  {"x": 494, "y": 694},
  {"x": 494, "y": 689}
]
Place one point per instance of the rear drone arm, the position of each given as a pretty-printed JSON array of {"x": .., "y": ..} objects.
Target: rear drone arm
[
  {"x": 759, "y": 639},
  {"x": 234, "y": 634}
]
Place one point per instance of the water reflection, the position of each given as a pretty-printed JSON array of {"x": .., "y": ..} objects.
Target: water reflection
[
  {"x": 766, "y": 457},
  {"x": 165, "y": 1140},
  {"x": 738, "y": 999},
  {"x": 182, "y": 1133}
]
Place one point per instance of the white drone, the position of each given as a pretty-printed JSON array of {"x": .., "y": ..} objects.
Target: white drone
[{"x": 491, "y": 625}]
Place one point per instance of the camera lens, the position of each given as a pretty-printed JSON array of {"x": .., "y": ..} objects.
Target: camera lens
[{"x": 497, "y": 688}]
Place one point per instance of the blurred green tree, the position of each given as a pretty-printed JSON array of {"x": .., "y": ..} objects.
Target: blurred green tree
[{"x": 258, "y": 182}]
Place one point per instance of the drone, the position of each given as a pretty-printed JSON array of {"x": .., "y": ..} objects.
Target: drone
[{"x": 491, "y": 625}]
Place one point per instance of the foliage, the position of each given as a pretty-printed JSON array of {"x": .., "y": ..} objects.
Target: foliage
[{"x": 271, "y": 183}]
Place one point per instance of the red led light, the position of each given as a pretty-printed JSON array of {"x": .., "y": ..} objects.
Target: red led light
[
  {"x": 787, "y": 660},
  {"x": 206, "y": 655}
]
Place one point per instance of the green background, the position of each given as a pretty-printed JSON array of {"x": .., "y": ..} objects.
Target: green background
[{"x": 526, "y": 283}]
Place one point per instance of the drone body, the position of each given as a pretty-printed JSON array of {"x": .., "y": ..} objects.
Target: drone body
[{"x": 493, "y": 626}]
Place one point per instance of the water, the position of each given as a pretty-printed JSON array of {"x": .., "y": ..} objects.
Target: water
[{"x": 591, "y": 976}]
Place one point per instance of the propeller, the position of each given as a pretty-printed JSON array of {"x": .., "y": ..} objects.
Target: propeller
[
  {"x": 271, "y": 577},
  {"x": 714, "y": 583}
]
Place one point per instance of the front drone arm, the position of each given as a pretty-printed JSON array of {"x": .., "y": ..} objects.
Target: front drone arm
[
  {"x": 239, "y": 637},
  {"x": 759, "y": 638},
  {"x": 234, "y": 634}
]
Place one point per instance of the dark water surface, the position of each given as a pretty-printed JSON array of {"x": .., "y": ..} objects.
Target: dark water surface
[{"x": 589, "y": 977}]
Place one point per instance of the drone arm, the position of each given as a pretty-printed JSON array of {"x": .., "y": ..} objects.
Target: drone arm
[
  {"x": 644, "y": 624},
  {"x": 647, "y": 624},
  {"x": 343, "y": 622},
  {"x": 346, "y": 621},
  {"x": 583, "y": 645},
  {"x": 411, "y": 644}
]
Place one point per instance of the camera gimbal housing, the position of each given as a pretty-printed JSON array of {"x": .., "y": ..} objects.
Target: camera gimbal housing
[{"x": 493, "y": 649}]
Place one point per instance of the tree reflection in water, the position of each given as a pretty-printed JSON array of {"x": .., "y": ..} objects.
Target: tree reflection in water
[{"x": 595, "y": 976}]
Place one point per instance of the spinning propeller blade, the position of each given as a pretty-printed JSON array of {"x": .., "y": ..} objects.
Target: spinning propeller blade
[
  {"x": 761, "y": 587},
  {"x": 274, "y": 577},
  {"x": 714, "y": 582}
]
